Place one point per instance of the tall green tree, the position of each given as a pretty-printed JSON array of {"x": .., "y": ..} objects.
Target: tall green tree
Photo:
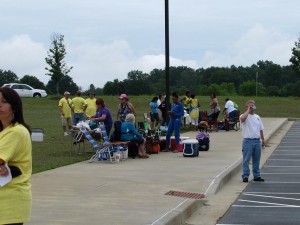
[
  {"x": 32, "y": 81},
  {"x": 7, "y": 76},
  {"x": 295, "y": 59},
  {"x": 56, "y": 60}
]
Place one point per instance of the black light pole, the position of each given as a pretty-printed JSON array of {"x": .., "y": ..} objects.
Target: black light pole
[{"x": 167, "y": 53}]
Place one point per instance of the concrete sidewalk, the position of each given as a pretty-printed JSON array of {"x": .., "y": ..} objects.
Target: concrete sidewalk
[{"x": 131, "y": 192}]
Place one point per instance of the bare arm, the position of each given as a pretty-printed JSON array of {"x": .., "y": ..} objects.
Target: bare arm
[
  {"x": 182, "y": 99},
  {"x": 132, "y": 109},
  {"x": 61, "y": 110},
  {"x": 245, "y": 115},
  {"x": 262, "y": 138},
  {"x": 103, "y": 117}
]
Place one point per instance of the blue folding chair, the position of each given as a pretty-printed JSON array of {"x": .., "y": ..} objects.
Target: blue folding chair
[{"x": 114, "y": 146}]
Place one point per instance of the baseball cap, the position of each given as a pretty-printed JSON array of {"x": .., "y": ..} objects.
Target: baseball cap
[
  {"x": 67, "y": 93},
  {"x": 123, "y": 96}
]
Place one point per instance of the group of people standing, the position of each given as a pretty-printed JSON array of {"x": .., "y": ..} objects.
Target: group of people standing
[{"x": 78, "y": 109}]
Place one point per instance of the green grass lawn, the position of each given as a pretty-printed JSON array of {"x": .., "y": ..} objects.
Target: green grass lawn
[{"x": 55, "y": 151}]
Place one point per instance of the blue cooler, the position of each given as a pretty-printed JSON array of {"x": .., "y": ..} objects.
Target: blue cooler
[{"x": 190, "y": 148}]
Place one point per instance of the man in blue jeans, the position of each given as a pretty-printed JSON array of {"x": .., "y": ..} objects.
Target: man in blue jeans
[{"x": 253, "y": 140}]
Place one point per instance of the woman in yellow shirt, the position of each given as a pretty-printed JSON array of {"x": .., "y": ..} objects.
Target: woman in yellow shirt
[{"x": 15, "y": 150}]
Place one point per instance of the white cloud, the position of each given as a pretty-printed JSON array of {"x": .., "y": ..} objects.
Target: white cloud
[
  {"x": 257, "y": 43},
  {"x": 96, "y": 63},
  {"x": 93, "y": 62},
  {"x": 23, "y": 56}
]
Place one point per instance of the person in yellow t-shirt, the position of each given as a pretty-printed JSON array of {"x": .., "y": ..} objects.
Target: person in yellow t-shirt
[
  {"x": 65, "y": 105},
  {"x": 15, "y": 151},
  {"x": 79, "y": 106},
  {"x": 91, "y": 106},
  {"x": 186, "y": 101}
]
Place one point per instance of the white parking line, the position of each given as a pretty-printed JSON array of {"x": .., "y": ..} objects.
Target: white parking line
[
  {"x": 294, "y": 160},
  {"x": 273, "y": 193},
  {"x": 283, "y": 166},
  {"x": 264, "y": 206},
  {"x": 281, "y": 173},
  {"x": 285, "y": 154},
  {"x": 269, "y": 196},
  {"x": 269, "y": 203},
  {"x": 296, "y": 150},
  {"x": 274, "y": 182}
]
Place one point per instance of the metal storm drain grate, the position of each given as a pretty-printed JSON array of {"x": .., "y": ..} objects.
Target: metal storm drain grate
[{"x": 182, "y": 194}]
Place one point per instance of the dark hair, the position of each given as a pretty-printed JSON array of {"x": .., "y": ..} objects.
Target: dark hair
[
  {"x": 154, "y": 99},
  {"x": 174, "y": 94},
  {"x": 227, "y": 99},
  {"x": 100, "y": 101},
  {"x": 160, "y": 96},
  {"x": 193, "y": 96},
  {"x": 187, "y": 92},
  {"x": 12, "y": 97},
  {"x": 213, "y": 95}
]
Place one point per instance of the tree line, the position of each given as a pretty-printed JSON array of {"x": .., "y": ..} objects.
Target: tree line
[{"x": 272, "y": 80}]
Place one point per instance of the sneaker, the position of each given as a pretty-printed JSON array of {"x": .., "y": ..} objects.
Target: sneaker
[
  {"x": 245, "y": 180},
  {"x": 66, "y": 134},
  {"x": 259, "y": 179}
]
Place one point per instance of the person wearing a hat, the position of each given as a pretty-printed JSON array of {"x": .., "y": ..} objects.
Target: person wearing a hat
[
  {"x": 91, "y": 105},
  {"x": 125, "y": 108},
  {"x": 65, "y": 112}
]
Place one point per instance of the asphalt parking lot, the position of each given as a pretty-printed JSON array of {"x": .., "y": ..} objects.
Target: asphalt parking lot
[{"x": 277, "y": 200}]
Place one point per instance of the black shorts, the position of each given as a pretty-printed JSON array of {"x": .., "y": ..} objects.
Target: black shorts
[
  {"x": 154, "y": 117},
  {"x": 138, "y": 140}
]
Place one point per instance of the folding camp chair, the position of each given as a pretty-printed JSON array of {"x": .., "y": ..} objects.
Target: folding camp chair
[
  {"x": 116, "y": 146},
  {"x": 102, "y": 153},
  {"x": 108, "y": 148},
  {"x": 77, "y": 141},
  {"x": 234, "y": 122}
]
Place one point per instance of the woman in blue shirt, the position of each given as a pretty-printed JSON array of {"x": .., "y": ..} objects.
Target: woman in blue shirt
[
  {"x": 129, "y": 133},
  {"x": 154, "y": 113},
  {"x": 176, "y": 113}
]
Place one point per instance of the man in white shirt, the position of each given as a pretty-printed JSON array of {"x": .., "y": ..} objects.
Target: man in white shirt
[
  {"x": 252, "y": 134},
  {"x": 229, "y": 108}
]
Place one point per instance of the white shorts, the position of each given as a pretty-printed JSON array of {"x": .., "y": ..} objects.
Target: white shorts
[{"x": 195, "y": 122}]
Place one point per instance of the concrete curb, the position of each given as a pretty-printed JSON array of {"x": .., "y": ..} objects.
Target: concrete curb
[{"x": 181, "y": 213}]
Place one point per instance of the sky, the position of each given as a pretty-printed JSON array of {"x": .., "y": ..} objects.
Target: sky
[{"x": 105, "y": 39}]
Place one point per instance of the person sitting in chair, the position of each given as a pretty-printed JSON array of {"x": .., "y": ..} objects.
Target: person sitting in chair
[
  {"x": 129, "y": 133},
  {"x": 230, "y": 110},
  {"x": 103, "y": 115}
]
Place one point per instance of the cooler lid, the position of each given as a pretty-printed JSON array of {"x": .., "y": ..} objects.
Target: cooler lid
[{"x": 190, "y": 141}]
